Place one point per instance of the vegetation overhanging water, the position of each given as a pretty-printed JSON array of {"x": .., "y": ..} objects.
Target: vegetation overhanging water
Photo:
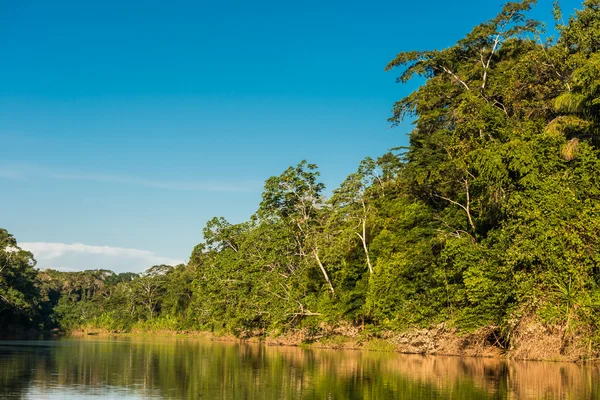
[{"x": 486, "y": 227}]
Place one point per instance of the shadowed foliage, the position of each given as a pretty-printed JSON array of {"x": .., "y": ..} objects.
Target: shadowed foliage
[{"x": 489, "y": 217}]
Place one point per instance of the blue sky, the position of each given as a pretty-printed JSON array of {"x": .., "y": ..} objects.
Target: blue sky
[{"x": 126, "y": 125}]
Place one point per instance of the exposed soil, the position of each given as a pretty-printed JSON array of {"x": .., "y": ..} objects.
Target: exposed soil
[
  {"x": 442, "y": 341},
  {"x": 531, "y": 341}
]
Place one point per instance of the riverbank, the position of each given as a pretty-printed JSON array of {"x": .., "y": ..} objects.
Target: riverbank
[{"x": 532, "y": 341}]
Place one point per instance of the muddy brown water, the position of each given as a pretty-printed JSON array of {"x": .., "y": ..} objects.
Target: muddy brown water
[{"x": 187, "y": 368}]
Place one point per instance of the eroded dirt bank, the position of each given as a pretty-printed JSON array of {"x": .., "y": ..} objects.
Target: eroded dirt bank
[{"x": 530, "y": 341}]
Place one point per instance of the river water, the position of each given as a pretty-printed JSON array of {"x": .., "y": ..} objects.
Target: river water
[{"x": 175, "y": 368}]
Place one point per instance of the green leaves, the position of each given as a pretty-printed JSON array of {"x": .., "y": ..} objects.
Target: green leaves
[
  {"x": 296, "y": 193},
  {"x": 492, "y": 213},
  {"x": 19, "y": 297}
]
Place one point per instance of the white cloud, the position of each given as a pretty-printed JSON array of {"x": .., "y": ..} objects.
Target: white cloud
[
  {"x": 79, "y": 256},
  {"x": 24, "y": 171}
]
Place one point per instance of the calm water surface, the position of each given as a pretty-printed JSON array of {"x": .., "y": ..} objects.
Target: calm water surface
[{"x": 198, "y": 369}]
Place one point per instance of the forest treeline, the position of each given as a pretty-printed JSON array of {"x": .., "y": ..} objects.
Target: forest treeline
[{"x": 490, "y": 217}]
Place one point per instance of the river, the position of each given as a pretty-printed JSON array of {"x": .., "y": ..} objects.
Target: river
[{"x": 185, "y": 368}]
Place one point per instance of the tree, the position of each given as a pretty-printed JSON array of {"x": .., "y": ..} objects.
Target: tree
[
  {"x": 295, "y": 198},
  {"x": 149, "y": 288},
  {"x": 19, "y": 296},
  {"x": 352, "y": 201}
]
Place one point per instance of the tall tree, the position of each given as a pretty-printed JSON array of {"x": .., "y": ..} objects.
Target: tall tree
[
  {"x": 295, "y": 198},
  {"x": 19, "y": 296}
]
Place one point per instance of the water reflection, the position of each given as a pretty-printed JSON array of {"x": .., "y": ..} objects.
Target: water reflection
[{"x": 193, "y": 369}]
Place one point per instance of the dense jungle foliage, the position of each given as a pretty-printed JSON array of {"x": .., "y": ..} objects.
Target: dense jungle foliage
[{"x": 490, "y": 216}]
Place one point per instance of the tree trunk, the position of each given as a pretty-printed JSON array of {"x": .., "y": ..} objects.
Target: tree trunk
[
  {"x": 316, "y": 253},
  {"x": 363, "y": 239}
]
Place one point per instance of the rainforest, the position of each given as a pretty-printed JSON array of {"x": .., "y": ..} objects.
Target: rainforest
[{"x": 485, "y": 228}]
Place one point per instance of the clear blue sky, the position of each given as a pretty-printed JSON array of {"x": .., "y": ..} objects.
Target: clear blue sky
[{"x": 129, "y": 124}]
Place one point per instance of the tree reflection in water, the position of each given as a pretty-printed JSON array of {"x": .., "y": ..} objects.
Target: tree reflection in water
[{"x": 136, "y": 368}]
